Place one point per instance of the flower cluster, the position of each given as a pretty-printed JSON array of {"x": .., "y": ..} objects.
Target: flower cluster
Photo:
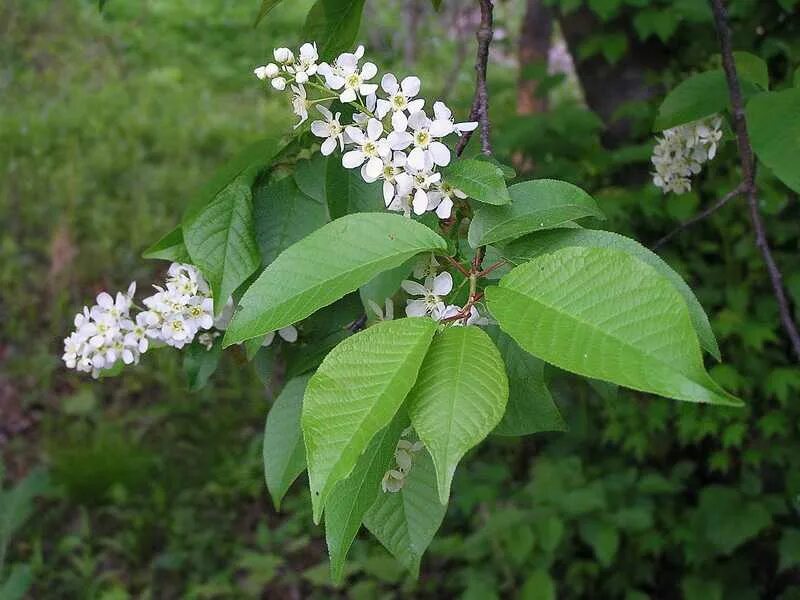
[
  {"x": 390, "y": 139},
  {"x": 107, "y": 333},
  {"x": 681, "y": 152},
  {"x": 395, "y": 479}
]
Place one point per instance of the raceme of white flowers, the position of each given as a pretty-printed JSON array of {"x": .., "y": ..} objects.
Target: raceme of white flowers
[
  {"x": 107, "y": 332},
  {"x": 395, "y": 478},
  {"x": 682, "y": 151},
  {"x": 391, "y": 138}
]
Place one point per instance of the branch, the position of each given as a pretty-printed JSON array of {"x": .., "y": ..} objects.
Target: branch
[
  {"x": 749, "y": 171},
  {"x": 480, "y": 102},
  {"x": 700, "y": 216}
]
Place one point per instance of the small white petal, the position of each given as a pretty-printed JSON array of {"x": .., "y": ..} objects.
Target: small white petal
[
  {"x": 416, "y": 308},
  {"x": 440, "y": 128},
  {"x": 349, "y": 95},
  {"x": 399, "y": 121},
  {"x": 368, "y": 71},
  {"x": 414, "y": 288},
  {"x": 410, "y": 86},
  {"x": 374, "y": 129},
  {"x": 420, "y": 203},
  {"x": 442, "y": 284},
  {"x": 374, "y": 167},
  {"x": 389, "y": 83},
  {"x": 440, "y": 153},
  {"x": 416, "y": 159},
  {"x": 288, "y": 333},
  {"x": 399, "y": 140},
  {"x": 445, "y": 208},
  {"x": 353, "y": 159}
]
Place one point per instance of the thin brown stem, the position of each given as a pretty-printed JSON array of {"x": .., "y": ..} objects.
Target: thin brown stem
[
  {"x": 492, "y": 267},
  {"x": 704, "y": 214},
  {"x": 749, "y": 172},
  {"x": 480, "y": 102},
  {"x": 453, "y": 262}
]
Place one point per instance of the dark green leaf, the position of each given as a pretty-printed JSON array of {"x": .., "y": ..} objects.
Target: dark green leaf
[
  {"x": 200, "y": 363},
  {"x": 347, "y": 192},
  {"x": 773, "y": 119},
  {"x": 170, "y": 247},
  {"x": 334, "y": 24}
]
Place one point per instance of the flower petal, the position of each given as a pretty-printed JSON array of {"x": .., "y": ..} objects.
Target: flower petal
[
  {"x": 414, "y": 288},
  {"x": 353, "y": 159},
  {"x": 389, "y": 83},
  {"x": 410, "y": 86},
  {"x": 416, "y": 308},
  {"x": 440, "y": 153},
  {"x": 442, "y": 284}
]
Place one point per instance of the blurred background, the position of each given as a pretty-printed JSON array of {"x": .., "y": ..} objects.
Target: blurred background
[{"x": 135, "y": 487}]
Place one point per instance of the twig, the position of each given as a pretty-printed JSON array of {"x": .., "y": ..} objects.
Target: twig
[
  {"x": 700, "y": 216},
  {"x": 749, "y": 171},
  {"x": 480, "y": 102},
  {"x": 492, "y": 267},
  {"x": 457, "y": 265}
]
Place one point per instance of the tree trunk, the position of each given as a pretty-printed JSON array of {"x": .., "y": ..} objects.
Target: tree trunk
[{"x": 534, "y": 45}]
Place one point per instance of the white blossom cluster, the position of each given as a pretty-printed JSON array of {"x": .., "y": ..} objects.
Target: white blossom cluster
[
  {"x": 391, "y": 137},
  {"x": 107, "y": 333},
  {"x": 682, "y": 151},
  {"x": 395, "y": 478}
]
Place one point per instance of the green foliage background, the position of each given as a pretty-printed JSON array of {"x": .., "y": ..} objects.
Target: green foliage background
[{"x": 108, "y": 123}]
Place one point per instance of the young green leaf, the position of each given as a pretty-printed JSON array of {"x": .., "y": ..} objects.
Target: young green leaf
[
  {"x": 481, "y": 180},
  {"x": 266, "y": 7},
  {"x": 602, "y": 313},
  {"x": 332, "y": 261},
  {"x": 334, "y": 24},
  {"x": 536, "y": 244},
  {"x": 351, "y": 498},
  {"x": 530, "y": 407},
  {"x": 284, "y": 454},
  {"x": 538, "y": 204},
  {"x": 355, "y": 393},
  {"x": 459, "y": 397},
  {"x": 199, "y": 363},
  {"x": 406, "y": 521},
  {"x": 221, "y": 242},
  {"x": 774, "y": 123},
  {"x": 284, "y": 215},
  {"x": 170, "y": 247}
]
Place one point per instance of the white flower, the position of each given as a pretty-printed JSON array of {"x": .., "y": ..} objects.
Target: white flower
[
  {"x": 431, "y": 293},
  {"x": 371, "y": 148},
  {"x": 346, "y": 75},
  {"x": 394, "y": 479},
  {"x": 403, "y": 204},
  {"x": 422, "y": 181},
  {"x": 395, "y": 179},
  {"x": 442, "y": 200},
  {"x": 307, "y": 61},
  {"x": 283, "y": 56},
  {"x": 427, "y": 151},
  {"x": 299, "y": 104},
  {"x": 279, "y": 83},
  {"x": 288, "y": 333},
  {"x": 266, "y": 71},
  {"x": 681, "y": 152},
  {"x": 399, "y": 99},
  {"x": 442, "y": 113},
  {"x": 383, "y": 314},
  {"x": 330, "y": 129}
]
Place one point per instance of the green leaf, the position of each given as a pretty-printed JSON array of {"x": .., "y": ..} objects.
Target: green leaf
[
  {"x": 789, "y": 549},
  {"x": 530, "y": 407},
  {"x": 334, "y": 24},
  {"x": 352, "y": 497},
  {"x": 347, "y": 192},
  {"x": 354, "y": 394},
  {"x": 459, "y": 397},
  {"x": 773, "y": 119},
  {"x": 284, "y": 215},
  {"x": 332, "y": 261},
  {"x": 481, "y": 180},
  {"x": 538, "y": 204},
  {"x": 604, "y": 314},
  {"x": 170, "y": 247},
  {"x": 18, "y": 583},
  {"x": 221, "y": 242},
  {"x": 602, "y": 537},
  {"x": 697, "y": 97},
  {"x": 508, "y": 171},
  {"x": 406, "y": 521},
  {"x": 200, "y": 363},
  {"x": 538, "y": 586},
  {"x": 728, "y": 518},
  {"x": 16, "y": 504},
  {"x": 383, "y": 286},
  {"x": 309, "y": 175},
  {"x": 266, "y": 7},
  {"x": 752, "y": 68},
  {"x": 284, "y": 454},
  {"x": 536, "y": 244}
]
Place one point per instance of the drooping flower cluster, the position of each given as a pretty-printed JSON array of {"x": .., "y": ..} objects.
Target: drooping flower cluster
[
  {"x": 390, "y": 139},
  {"x": 395, "y": 478},
  {"x": 107, "y": 333},
  {"x": 682, "y": 151}
]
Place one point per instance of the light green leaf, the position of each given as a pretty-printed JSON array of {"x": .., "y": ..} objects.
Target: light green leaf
[
  {"x": 347, "y": 192},
  {"x": 602, "y": 537},
  {"x": 170, "y": 247},
  {"x": 355, "y": 393},
  {"x": 530, "y": 407},
  {"x": 284, "y": 454},
  {"x": 535, "y": 205},
  {"x": 697, "y": 97},
  {"x": 774, "y": 123},
  {"x": 604, "y": 314},
  {"x": 752, "y": 68},
  {"x": 266, "y": 7},
  {"x": 334, "y": 24},
  {"x": 459, "y": 397},
  {"x": 284, "y": 215},
  {"x": 200, "y": 363},
  {"x": 351, "y": 498},
  {"x": 220, "y": 240},
  {"x": 538, "y": 586},
  {"x": 481, "y": 180},
  {"x": 406, "y": 521},
  {"x": 320, "y": 269},
  {"x": 536, "y": 244}
]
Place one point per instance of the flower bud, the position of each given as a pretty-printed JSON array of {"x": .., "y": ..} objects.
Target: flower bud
[
  {"x": 271, "y": 70},
  {"x": 301, "y": 77},
  {"x": 283, "y": 55},
  {"x": 279, "y": 83}
]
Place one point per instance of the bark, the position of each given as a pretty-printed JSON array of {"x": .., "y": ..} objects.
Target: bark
[{"x": 534, "y": 45}]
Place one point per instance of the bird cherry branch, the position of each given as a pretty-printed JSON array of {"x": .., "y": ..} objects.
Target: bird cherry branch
[{"x": 748, "y": 185}]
